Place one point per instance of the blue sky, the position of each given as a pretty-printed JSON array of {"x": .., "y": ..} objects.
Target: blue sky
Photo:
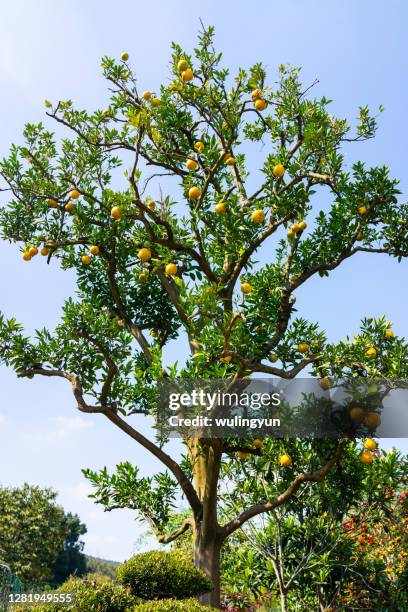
[{"x": 49, "y": 49}]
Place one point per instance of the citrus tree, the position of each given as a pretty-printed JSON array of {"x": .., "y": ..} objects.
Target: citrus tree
[
  {"x": 214, "y": 258},
  {"x": 322, "y": 548}
]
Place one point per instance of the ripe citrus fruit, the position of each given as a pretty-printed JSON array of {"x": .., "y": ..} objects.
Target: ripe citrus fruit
[
  {"x": 182, "y": 65},
  {"x": 33, "y": 251},
  {"x": 116, "y": 212},
  {"x": 258, "y": 216},
  {"x": 144, "y": 254},
  {"x": 171, "y": 269},
  {"x": 124, "y": 56},
  {"x": 256, "y": 94},
  {"x": 156, "y": 102},
  {"x": 325, "y": 383},
  {"x": 285, "y": 460},
  {"x": 199, "y": 146},
  {"x": 191, "y": 164},
  {"x": 246, "y": 288},
  {"x": 26, "y": 256},
  {"x": 273, "y": 358},
  {"x": 147, "y": 95},
  {"x": 194, "y": 193},
  {"x": 220, "y": 208},
  {"x": 86, "y": 260},
  {"x": 44, "y": 251},
  {"x": 302, "y": 225},
  {"x": 370, "y": 444},
  {"x": 230, "y": 161},
  {"x": 303, "y": 347},
  {"x": 70, "y": 207},
  {"x": 52, "y": 203},
  {"x": 372, "y": 420},
  {"x": 389, "y": 333},
  {"x": 260, "y": 104},
  {"x": 151, "y": 205},
  {"x": 357, "y": 414},
  {"x": 366, "y": 457},
  {"x": 371, "y": 353},
  {"x": 362, "y": 210},
  {"x": 94, "y": 250},
  {"x": 278, "y": 170},
  {"x": 187, "y": 75},
  {"x": 74, "y": 195}
]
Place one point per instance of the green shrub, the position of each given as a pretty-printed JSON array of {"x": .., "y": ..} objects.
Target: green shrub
[
  {"x": 171, "y": 605},
  {"x": 161, "y": 575},
  {"x": 94, "y": 593}
]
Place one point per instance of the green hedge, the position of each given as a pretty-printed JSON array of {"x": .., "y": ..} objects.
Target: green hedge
[
  {"x": 172, "y": 605},
  {"x": 93, "y": 594},
  {"x": 161, "y": 575}
]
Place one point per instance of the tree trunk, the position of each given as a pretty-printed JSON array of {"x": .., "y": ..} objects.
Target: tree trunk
[
  {"x": 283, "y": 601},
  {"x": 206, "y": 461},
  {"x": 207, "y": 554}
]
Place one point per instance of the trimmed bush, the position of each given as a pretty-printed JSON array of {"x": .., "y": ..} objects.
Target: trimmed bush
[
  {"x": 172, "y": 605},
  {"x": 93, "y": 594},
  {"x": 161, "y": 575}
]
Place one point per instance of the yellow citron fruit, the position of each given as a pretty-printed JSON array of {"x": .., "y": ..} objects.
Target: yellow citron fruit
[
  {"x": 256, "y": 94},
  {"x": 69, "y": 207},
  {"x": 220, "y": 208},
  {"x": 371, "y": 352},
  {"x": 372, "y": 420},
  {"x": 194, "y": 193},
  {"x": 147, "y": 95},
  {"x": 242, "y": 455},
  {"x": 291, "y": 234},
  {"x": 230, "y": 161},
  {"x": 302, "y": 225},
  {"x": 389, "y": 333},
  {"x": 156, "y": 102},
  {"x": 124, "y": 56},
  {"x": 94, "y": 250},
  {"x": 26, "y": 256},
  {"x": 357, "y": 414},
  {"x": 44, "y": 251},
  {"x": 191, "y": 164},
  {"x": 295, "y": 228},
  {"x": 258, "y": 216},
  {"x": 33, "y": 251},
  {"x": 187, "y": 75},
  {"x": 273, "y": 358},
  {"x": 143, "y": 277},
  {"x": 362, "y": 210},
  {"x": 199, "y": 146},
  {"x": 260, "y": 104},
  {"x": 154, "y": 333},
  {"x": 171, "y": 269},
  {"x": 52, "y": 203},
  {"x": 258, "y": 443},
  {"x": 325, "y": 383},
  {"x": 151, "y": 205},
  {"x": 144, "y": 254},
  {"x": 182, "y": 65},
  {"x": 303, "y": 347},
  {"x": 366, "y": 457},
  {"x": 86, "y": 259},
  {"x": 285, "y": 459},
  {"x": 278, "y": 170},
  {"x": 116, "y": 213},
  {"x": 246, "y": 288},
  {"x": 74, "y": 195},
  {"x": 370, "y": 444}
]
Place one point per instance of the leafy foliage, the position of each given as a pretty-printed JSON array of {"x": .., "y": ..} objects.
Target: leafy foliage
[
  {"x": 38, "y": 540},
  {"x": 162, "y": 575}
]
